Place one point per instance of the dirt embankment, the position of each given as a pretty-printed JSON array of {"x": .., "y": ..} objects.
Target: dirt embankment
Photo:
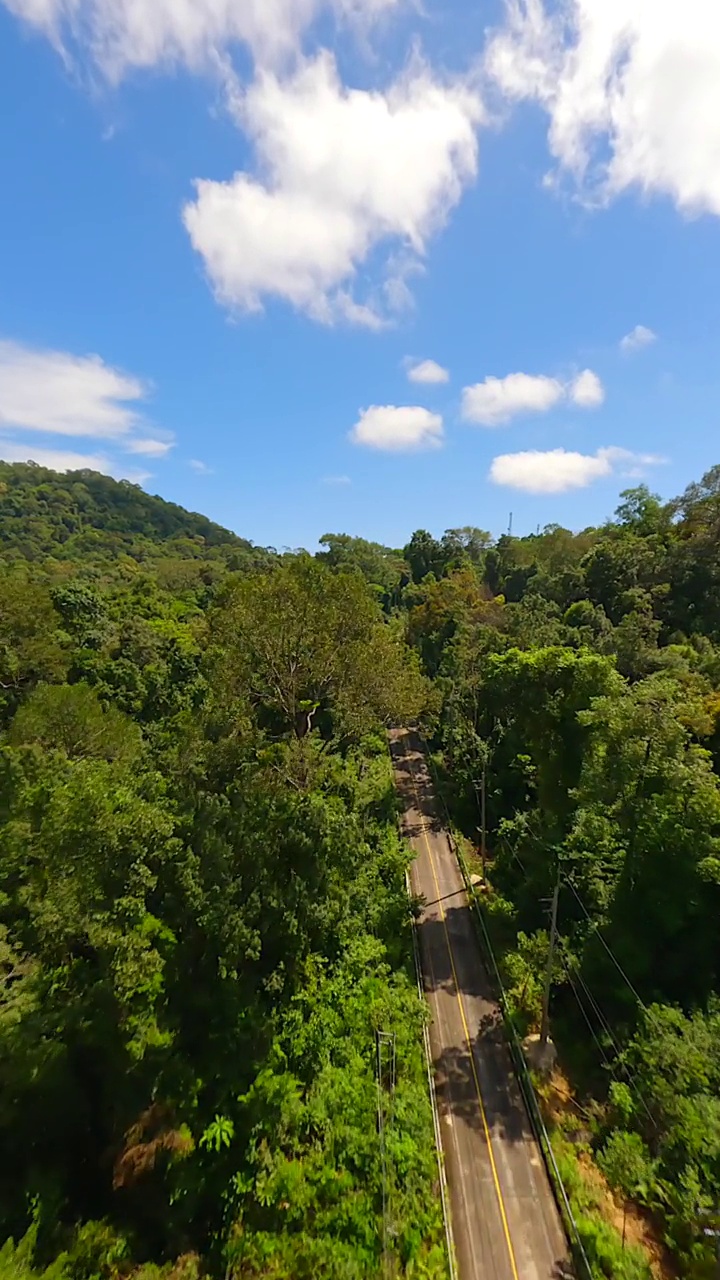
[{"x": 563, "y": 1111}]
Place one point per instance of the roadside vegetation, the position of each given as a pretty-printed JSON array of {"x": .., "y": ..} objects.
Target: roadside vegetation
[
  {"x": 581, "y": 674},
  {"x": 203, "y": 916},
  {"x": 203, "y": 913}
]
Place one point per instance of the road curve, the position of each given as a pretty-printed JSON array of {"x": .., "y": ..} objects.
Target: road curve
[{"x": 505, "y": 1222}]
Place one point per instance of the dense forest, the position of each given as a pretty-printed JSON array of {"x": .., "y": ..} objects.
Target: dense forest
[
  {"x": 580, "y": 673},
  {"x": 203, "y": 913}
]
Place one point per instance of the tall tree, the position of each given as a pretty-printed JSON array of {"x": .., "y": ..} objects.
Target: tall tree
[{"x": 306, "y": 646}]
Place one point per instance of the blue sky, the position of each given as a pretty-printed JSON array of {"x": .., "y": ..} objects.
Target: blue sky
[{"x": 499, "y": 189}]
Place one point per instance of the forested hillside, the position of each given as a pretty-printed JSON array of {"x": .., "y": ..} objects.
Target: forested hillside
[
  {"x": 203, "y": 914},
  {"x": 88, "y": 519}
]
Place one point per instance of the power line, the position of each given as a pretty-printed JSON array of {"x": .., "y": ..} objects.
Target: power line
[
  {"x": 593, "y": 1004},
  {"x": 590, "y": 920},
  {"x": 517, "y": 858},
  {"x": 614, "y": 959},
  {"x": 601, "y": 1017},
  {"x": 606, "y": 1028},
  {"x": 591, "y": 1029},
  {"x": 605, "y": 1025},
  {"x": 603, "y": 1021},
  {"x": 522, "y": 1073}
]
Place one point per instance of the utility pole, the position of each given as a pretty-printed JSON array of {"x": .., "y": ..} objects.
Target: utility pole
[
  {"x": 480, "y": 800},
  {"x": 510, "y": 525},
  {"x": 713, "y": 1233},
  {"x": 483, "y": 822},
  {"x": 545, "y": 1026},
  {"x": 386, "y": 1069}
]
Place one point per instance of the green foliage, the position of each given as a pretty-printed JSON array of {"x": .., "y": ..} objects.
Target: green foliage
[
  {"x": 642, "y": 511},
  {"x": 203, "y": 916},
  {"x": 608, "y": 1255},
  {"x": 304, "y": 645},
  {"x": 313, "y": 1117},
  {"x": 524, "y": 974},
  {"x": 203, "y": 912},
  {"x": 676, "y": 1062},
  {"x": 628, "y": 1166},
  {"x": 70, "y": 718},
  {"x": 16, "y": 1262},
  {"x": 424, "y": 556},
  {"x": 31, "y": 645},
  {"x": 579, "y": 676},
  {"x": 218, "y": 1134},
  {"x": 380, "y": 566},
  {"x": 85, "y": 516}
]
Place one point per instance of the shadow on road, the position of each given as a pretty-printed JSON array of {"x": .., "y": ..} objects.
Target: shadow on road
[
  {"x": 436, "y": 938},
  {"x": 475, "y": 1082},
  {"x": 502, "y": 1102},
  {"x": 414, "y": 785}
]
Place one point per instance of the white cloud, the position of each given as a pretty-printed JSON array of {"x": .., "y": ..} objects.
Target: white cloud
[
  {"x": 345, "y": 171},
  {"x": 497, "y": 400},
  {"x": 559, "y": 470},
  {"x": 201, "y": 468},
  {"x": 553, "y": 471},
  {"x": 398, "y": 429},
  {"x": 639, "y": 337},
  {"x": 427, "y": 371},
  {"x": 56, "y": 459},
  {"x": 65, "y": 460},
  {"x": 587, "y": 390},
  {"x": 341, "y": 173},
  {"x": 61, "y": 394},
  {"x": 632, "y": 88},
  {"x": 149, "y": 448},
  {"x": 57, "y": 392},
  {"x": 119, "y": 35},
  {"x": 336, "y": 480}
]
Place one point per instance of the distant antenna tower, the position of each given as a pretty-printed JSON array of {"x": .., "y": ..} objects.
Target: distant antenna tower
[
  {"x": 385, "y": 1046},
  {"x": 510, "y": 526}
]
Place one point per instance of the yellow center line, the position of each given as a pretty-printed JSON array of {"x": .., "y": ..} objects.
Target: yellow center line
[{"x": 463, "y": 1017}]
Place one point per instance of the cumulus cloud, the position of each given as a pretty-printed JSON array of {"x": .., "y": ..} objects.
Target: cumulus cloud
[
  {"x": 638, "y": 338},
  {"x": 341, "y": 174},
  {"x": 496, "y": 401},
  {"x": 119, "y": 35},
  {"x": 632, "y": 88},
  {"x": 398, "y": 429},
  {"x": 427, "y": 371},
  {"x": 57, "y": 392},
  {"x": 62, "y": 394},
  {"x": 560, "y": 470},
  {"x": 587, "y": 390},
  {"x": 201, "y": 468},
  {"x": 345, "y": 172},
  {"x": 65, "y": 460},
  {"x": 150, "y": 448}
]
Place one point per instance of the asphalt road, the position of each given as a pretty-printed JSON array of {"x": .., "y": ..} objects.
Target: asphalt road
[{"x": 505, "y": 1222}]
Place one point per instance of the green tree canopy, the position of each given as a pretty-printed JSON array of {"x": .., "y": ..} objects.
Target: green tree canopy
[
  {"x": 306, "y": 646},
  {"x": 70, "y": 718}
]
